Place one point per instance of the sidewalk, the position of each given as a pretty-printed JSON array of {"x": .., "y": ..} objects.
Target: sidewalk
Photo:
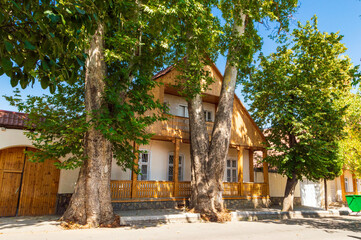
[{"x": 163, "y": 216}]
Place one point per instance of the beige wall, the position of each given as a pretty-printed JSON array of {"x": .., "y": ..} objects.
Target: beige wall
[
  {"x": 13, "y": 138},
  {"x": 277, "y": 185}
]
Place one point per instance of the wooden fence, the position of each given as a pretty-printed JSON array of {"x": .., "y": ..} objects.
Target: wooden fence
[{"x": 122, "y": 190}]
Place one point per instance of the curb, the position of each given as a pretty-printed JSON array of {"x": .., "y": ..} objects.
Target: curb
[
  {"x": 235, "y": 216},
  {"x": 254, "y": 216},
  {"x": 171, "y": 218}
]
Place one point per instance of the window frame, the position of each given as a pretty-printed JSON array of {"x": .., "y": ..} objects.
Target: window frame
[
  {"x": 181, "y": 165},
  {"x": 186, "y": 113},
  {"x": 140, "y": 163},
  {"x": 206, "y": 112},
  {"x": 231, "y": 168}
]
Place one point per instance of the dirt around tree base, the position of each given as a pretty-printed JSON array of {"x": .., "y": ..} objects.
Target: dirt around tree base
[
  {"x": 68, "y": 225},
  {"x": 219, "y": 217}
]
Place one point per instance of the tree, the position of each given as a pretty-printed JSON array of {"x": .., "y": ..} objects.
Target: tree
[
  {"x": 294, "y": 93},
  {"x": 205, "y": 36},
  {"x": 350, "y": 146},
  {"x": 106, "y": 53}
]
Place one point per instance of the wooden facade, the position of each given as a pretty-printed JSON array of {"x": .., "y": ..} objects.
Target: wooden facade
[
  {"x": 27, "y": 188},
  {"x": 245, "y": 135},
  {"x": 345, "y": 192}
]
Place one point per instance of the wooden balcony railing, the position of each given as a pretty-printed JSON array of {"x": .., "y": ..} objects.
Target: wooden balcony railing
[
  {"x": 175, "y": 126},
  {"x": 121, "y": 190}
]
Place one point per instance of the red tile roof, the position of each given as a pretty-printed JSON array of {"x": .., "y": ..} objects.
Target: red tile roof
[
  {"x": 163, "y": 72},
  {"x": 13, "y": 120}
]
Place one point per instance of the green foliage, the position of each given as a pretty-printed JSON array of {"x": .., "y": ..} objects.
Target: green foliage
[
  {"x": 199, "y": 36},
  {"x": 136, "y": 34},
  {"x": 43, "y": 40},
  {"x": 350, "y": 146},
  {"x": 295, "y": 94}
]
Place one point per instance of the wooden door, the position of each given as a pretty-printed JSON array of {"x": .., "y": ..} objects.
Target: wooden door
[
  {"x": 26, "y": 188},
  {"x": 11, "y": 168},
  {"x": 39, "y": 188}
]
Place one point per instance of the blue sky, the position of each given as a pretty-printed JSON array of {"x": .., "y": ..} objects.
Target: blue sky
[{"x": 333, "y": 16}]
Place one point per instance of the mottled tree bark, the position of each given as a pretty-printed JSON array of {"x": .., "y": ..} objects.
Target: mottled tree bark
[
  {"x": 208, "y": 158},
  {"x": 289, "y": 193},
  {"x": 91, "y": 201},
  {"x": 287, "y": 204}
]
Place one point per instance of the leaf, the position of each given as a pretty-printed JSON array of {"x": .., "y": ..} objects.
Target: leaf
[
  {"x": 81, "y": 11},
  {"x": 52, "y": 88},
  {"x": 29, "y": 46},
  {"x": 8, "y": 46},
  {"x": 44, "y": 82},
  {"x": 7, "y": 64},
  {"x": 80, "y": 62},
  {"x": 23, "y": 83},
  {"x": 14, "y": 81}
]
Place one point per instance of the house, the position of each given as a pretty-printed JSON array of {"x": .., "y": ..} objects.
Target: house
[{"x": 164, "y": 163}]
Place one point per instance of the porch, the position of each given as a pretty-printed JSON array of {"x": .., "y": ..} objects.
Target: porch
[
  {"x": 241, "y": 182},
  {"x": 126, "y": 191}
]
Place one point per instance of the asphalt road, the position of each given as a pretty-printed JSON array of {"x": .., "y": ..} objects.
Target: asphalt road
[{"x": 348, "y": 227}]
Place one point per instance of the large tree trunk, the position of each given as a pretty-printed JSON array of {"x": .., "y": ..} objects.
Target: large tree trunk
[
  {"x": 289, "y": 193},
  {"x": 91, "y": 201},
  {"x": 208, "y": 159},
  {"x": 291, "y": 181}
]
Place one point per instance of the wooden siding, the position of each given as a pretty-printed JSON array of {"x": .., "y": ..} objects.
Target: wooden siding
[
  {"x": 244, "y": 130},
  {"x": 37, "y": 184}
]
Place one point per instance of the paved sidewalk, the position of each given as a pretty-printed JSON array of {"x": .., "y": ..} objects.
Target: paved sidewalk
[{"x": 156, "y": 217}]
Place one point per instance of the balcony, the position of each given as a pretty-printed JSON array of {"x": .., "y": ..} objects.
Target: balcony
[{"x": 175, "y": 126}]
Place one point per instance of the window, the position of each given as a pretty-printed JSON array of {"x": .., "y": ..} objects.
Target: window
[
  {"x": 171, "y": 166},
  {"x": 231, "y": 170},
  {"x": 144, "y": 163},
  {"x": 346, "y": 184},
  {"x": 183, "y": 110},
  {"x": 359, "y": 185},
  {"x": 208, "y": 116}
]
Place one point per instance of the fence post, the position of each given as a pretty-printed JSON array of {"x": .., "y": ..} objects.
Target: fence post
[
  {"x": 176, "y": 167},
  {"x": 240, "y": 169},
  {"x": 134, "y": 174}
]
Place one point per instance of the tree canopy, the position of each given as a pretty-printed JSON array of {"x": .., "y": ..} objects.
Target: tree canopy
[
  {"x": 350, "y": 145},
  {"x": 294, "y": 93}
]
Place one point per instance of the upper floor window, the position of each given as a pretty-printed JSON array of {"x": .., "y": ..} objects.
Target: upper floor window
[
  {"x": 231, "y": 170},
  {"x": 144, "y": 165},
  {"x": 208, "y": 116},
  {"x": 171, "y": 167},
  {"x": 183, "y": 111}
]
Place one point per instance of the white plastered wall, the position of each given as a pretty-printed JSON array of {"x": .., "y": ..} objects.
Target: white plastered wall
[
  {"x": 246, "y": 177},
  {"x": 159, "y": 152}
]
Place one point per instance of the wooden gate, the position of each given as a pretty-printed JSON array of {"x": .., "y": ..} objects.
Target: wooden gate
[{"x": 26, "y": 188}]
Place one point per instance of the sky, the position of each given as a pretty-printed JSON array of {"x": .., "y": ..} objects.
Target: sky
[{"x": 333, "y": 16}]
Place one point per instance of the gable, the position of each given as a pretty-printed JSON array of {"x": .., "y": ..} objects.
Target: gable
[{"x": 245, "y": 132}]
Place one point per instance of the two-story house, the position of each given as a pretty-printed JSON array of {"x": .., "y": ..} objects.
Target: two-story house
[{"x": 165, "y": 163}]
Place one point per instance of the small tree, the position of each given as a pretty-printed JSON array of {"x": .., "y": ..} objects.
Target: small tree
[{"x": 293, "y": 93}]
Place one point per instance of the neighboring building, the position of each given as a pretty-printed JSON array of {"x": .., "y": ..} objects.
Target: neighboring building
[{"x": 161, "y": 184}]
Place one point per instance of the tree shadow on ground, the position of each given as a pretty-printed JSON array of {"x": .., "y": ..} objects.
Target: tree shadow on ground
[{"x": 328, "y": 224}]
